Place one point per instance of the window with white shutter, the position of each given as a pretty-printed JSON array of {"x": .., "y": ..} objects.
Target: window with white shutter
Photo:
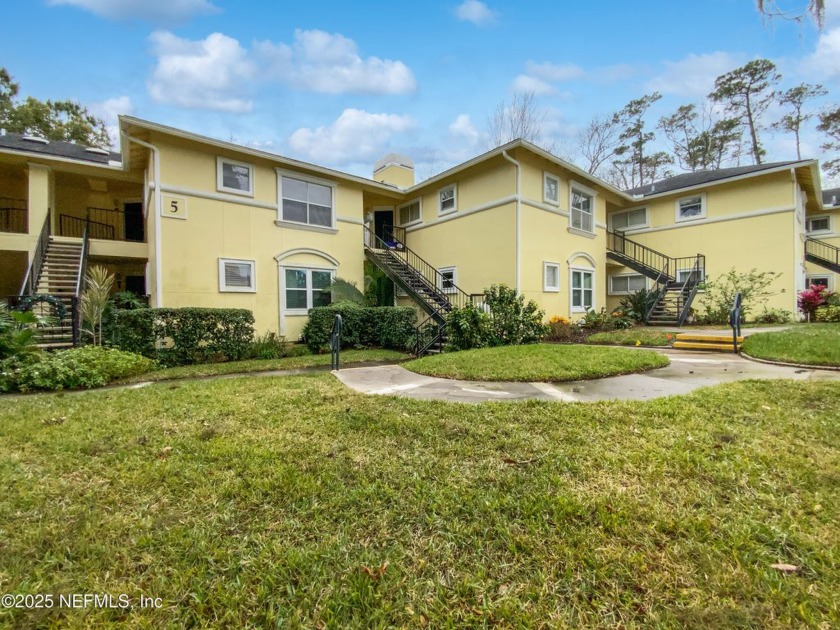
[{"x": 237, "y": 275}]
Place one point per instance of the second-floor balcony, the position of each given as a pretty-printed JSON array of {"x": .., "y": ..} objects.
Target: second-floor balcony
[
  {"x": 13, "y": 215},
  {"x": 111, "y": 224}
]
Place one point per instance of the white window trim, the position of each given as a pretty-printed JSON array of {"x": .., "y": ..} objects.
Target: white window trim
[
  {"x": 646, "y": 224},
  {"x": 454, "y": 189},
  {"x": 702, "y": 214},
  {"x": 581, "y": 309},
  {"x": 808, "y": 220},
  {"x": 829, "y": 276},
  {"x": 418, "y": 200},
  {"x": 308, "y": 270},
  {"x": 312, "y": 180},
  {"x": 576, "y": 186},
  {"x": 546, "y": 199},
  {"x": 454, "y": 270},
  {"x": 223, "y": 288},
  {"x": 546, "y": 287},
  {"x": 623, "y": 275},
  {"x": 220, "y": 179}
]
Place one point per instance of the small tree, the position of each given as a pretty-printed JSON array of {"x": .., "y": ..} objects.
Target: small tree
[
  {"x": 512, "y": 321},
  {"x": 719, "y": 294},
  {"x": 98, "y": 284},
  {"x": 796, "y": 99},
  {"x": 521, "y": 118},
  {"x": 830, "y": 126},
  {"x": 812, "y": 298}
]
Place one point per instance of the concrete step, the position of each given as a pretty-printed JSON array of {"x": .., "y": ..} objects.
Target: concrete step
[
  {"x": 700, "y": 337},
  {"x": 715, "y": 347}
]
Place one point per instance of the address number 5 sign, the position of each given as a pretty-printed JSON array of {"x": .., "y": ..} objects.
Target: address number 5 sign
[{"x": 174, "y": 207}]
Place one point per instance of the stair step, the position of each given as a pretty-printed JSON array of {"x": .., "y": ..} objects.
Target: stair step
[
  {"x": 687, "y": 345},
  {"x": 692, "y": 337}
]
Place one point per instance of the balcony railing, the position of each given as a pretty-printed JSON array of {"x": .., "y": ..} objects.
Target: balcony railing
[
  {"x": 13, "y": 215},
  {"x": 103, "y": 223}
]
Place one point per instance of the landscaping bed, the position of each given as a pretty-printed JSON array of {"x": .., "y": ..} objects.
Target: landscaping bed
[
  {"x": 537, "y": 362},
  {"x": 296, "y": 502},
  {"x": 812, "y": 344}
]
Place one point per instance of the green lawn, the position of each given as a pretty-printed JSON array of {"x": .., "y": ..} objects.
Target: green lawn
[
  {"x": 814, "y": 344},
  {"x": 632, "y": 337},
  {"x": 265, "y": 365},
  {"x": 295, "y": 502},
  {"x": 537, "y": 362}
]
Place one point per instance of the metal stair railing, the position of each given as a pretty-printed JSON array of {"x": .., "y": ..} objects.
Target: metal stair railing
[
  {"x": 33, "y": 272},
  {"x": 618, "y": 243},
  {"x": 689, "y": 287},
  {"x": 820, "y": 251},
  {"x": 735, "y": 321},
  {"x": 335, "y": 342}
]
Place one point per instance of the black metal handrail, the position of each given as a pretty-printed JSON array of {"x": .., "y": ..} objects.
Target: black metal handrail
[
  {"x": 75, "y": 227},
  {"x": 335, "y": 342},
  {"x": 689, "y": 287},
  {"x": 822, "y": 250},
  {"x": 33, "y": 272},
  {"x": 620, "y": 244},
  {"x": 13, "y": 215},
  {"x": 429, "y": 332},
  {"x": 735, "y": 320}
]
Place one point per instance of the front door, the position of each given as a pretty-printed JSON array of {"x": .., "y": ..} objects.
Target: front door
[
  {"x": 383, "y": 221},
  {"x": 134, "y": 221}
]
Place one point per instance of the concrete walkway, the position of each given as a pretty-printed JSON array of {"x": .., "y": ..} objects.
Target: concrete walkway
[{"x": 687, "y": 372}]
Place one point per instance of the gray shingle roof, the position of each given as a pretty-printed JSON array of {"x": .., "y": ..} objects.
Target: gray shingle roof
[
  {"x": 831, "y": 197},
  {"x": 686, "y": 180},
  {"x": 56, "y": 148}
]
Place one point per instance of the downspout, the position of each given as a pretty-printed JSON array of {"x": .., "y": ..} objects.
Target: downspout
[
  {"x": 518, "y": 217},
  {"x": 158, "y": 206}
]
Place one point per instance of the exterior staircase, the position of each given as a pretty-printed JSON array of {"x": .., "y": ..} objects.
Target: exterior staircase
[
  {"x": 675, "y": 294},
  {"x": 436, "y": 295},
  {"x": 823, "y": 254}
]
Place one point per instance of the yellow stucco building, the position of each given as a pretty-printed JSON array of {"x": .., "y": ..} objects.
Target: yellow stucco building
[{"x": 194, "y": 221}]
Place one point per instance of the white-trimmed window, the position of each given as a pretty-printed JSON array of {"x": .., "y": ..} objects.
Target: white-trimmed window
[
  {"x": 551, "y": 189},
  {"x": 691, "y": 208},
  {"x": 306, "y": 201},
  {"x": 582, "y": 205},
  {"x": 237, "y": 276},
  {"x": 551, "y": 277},
  {"x": 234, "y": 177},
  {"x": 448, "y": 279},
  {"x": 819, "y": 224},
  {"x": 685, "y": 274},
  {"x": 582, "y": 288},
  {"x": 629, "y": 219},
  {"x": 304, "y": 289},
  {"x": 627, "y": 283},
  {"x": 410, "y": 213},
  {"x": 820, "y": 281},
  {"x": 448, "y": 199}
]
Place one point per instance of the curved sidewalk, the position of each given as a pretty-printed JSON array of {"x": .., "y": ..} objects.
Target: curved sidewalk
[{"x": 687, "y": 372}]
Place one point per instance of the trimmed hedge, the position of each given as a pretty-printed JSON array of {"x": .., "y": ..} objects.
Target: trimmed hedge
[
  {"x": 384, "y": 327},
  {"x": 181, "y": 336},
  {"x": 827, "y": 314}
]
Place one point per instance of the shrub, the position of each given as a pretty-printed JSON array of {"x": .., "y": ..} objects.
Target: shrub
[
  {"x": 181, "y": 336},
  {"x": 512, "y": 321},
  {"x": 467, "y": 328},
  {"x": 562, "y": 330},
  {"x": 273, "y": 346},
  {"x": 812, "y": 298},
  {"x": 17, "y": 332},
  {"x": 719, "y": 294},
  {"x": 827, "y": 313},
  {"x": 637, "y": 304},
  {"x": 774, "y": 316},
  {"x": 85, "y": 367},
  {"x": 386, "y": 326},
  {"x": 596, "y": 320}
]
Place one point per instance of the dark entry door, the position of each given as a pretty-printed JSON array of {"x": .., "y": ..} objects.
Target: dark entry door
[
  {"x": 134, "y": 221},
  {"x": 136, "y": 284},
  {"x": 383, "y": 221}
]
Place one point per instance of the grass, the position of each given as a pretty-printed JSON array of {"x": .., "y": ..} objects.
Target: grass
[
  {"x": 630, "y": 337},
  {"x": 814, "y": 344},
  {"x": 537, "y": 362},
  {"x": 296, "y": 502},
  {"x": 266, "y": 365}
]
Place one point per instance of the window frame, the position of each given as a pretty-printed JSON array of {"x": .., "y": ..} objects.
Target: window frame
[
  {"x": 644, "y": 225},
  {"x": 547, "y": 288},
  {"x": 445, "y": 270},
  {"x": 454, "y": 189},
  {"x": 701, "y": 216},
  {"x": 808, "y": 220},
  {"x": 612, "y": 290},
  {"x": 308, "y": 180},
  {"x": 582, "y": 308},
  {"x": 220, "y": 182},
  {"x": 809, "y": 277},
  {"x": 546, "y": 198},
  {"x": 309, "y": 288},
  {"x": 585, "y": 190},
  {"x": 418, "y": 220},
  {"x": 224, "y": 288}
]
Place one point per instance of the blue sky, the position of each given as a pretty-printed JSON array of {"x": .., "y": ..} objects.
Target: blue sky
[{"x": 342, "y": 84}]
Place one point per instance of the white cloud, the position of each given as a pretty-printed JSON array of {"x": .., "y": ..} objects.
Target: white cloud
[
  {"x": 554, "y": 72},
  {"x": 330, "y": 63},
  {"x": 355, "y": 135},
  {"x": 109, "y": 110},
  {"x": 462, "y": 127},
  {"x": 476, "y": 12},
  {"x": 825, "y": 61},
  {"x": 212, "y": 73},
  {"x": 158, "y": 11},
  {"x": 526, "y": 84},
  {"x": 695, "y": 75}
]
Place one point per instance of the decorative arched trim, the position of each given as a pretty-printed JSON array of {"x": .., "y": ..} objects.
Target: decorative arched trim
[
  {"x": 572, "y": 258},
  {"x": 306, "y": 250}
]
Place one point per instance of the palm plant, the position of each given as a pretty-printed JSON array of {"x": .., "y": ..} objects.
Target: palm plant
[{"x": 98, "y": 284}]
